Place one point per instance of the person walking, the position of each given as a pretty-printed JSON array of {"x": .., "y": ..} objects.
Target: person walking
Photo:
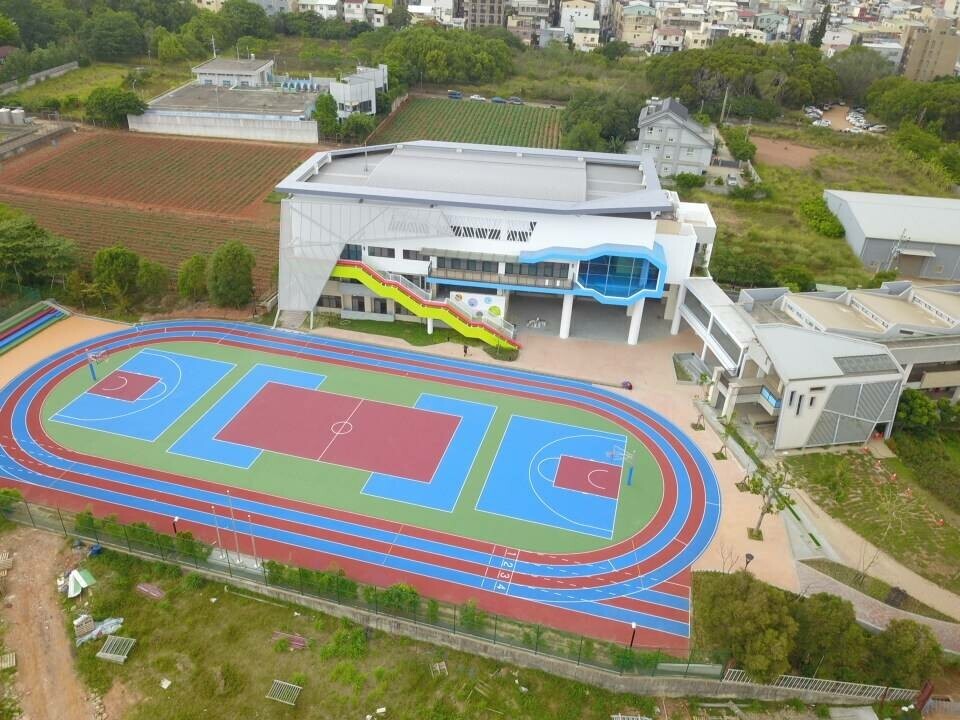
[{"x": 464, "y": 349}]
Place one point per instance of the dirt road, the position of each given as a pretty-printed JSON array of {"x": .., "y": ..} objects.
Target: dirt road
[{"x": 47, "y": 686}]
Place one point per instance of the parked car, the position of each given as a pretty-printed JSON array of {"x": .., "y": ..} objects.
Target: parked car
[
  {"x": 499, "y": 100},
  {"x": 860, "y": 110},
  {"x": 733, "y": 180},
  {"x": 478, "y": 98},
  {"x": 877, "y": 128},
  {"x": 514, "y": 100},
  {"x": 822, "y": 123},
  {"x": 454, "y": 94}
]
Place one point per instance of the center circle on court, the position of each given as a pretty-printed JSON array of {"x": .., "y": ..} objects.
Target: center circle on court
[{"x": 341, "y": 427}]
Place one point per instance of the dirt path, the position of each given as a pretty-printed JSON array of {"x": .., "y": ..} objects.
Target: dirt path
[{"x": 47, "y": 686}]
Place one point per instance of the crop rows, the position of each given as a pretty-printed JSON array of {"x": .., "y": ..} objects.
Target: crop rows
[
  {"x": 474, "y": 122},
  {"x": 167, "y": 238},
  {"x": 199, "y": 175}
]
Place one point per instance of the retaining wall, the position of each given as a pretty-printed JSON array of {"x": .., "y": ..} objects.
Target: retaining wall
[
  {"x": 225, "y": 126},
  {"x": 36, "y": 77}
]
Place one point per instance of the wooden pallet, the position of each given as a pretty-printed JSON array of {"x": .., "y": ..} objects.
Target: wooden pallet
[{"x": 8, "y": 660}]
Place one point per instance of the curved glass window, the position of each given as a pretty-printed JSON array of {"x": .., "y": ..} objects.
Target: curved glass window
[{"x": 616, "y": 276}]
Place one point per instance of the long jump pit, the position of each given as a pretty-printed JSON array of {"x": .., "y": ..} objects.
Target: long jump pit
[{"x": 72, "y": 330}]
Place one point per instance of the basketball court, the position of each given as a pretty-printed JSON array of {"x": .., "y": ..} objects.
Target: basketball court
[{"x": 546, "y": 499}]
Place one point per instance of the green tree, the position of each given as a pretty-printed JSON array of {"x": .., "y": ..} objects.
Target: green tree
[
  {"x": 116, "y": 269},
  {"x": 169, "y": 48},
  {"x": 153, "y": 281},
  {"x": 689, "y": 181},
  {"x": 738, "y": 143},
  {"x": 905, "y": 654},
  {"x": 9, "y": 32},
  {"x": 192, "y": 278},
  {"x": 399, "y": 16},
  {"x": 230, "y": 275},
  {"x": 358, "y": 126},
  {"x": 584, "y": 135},
  {"x": 829, "y": 642},
  {"x": 797, "y": 278},
  {"x": 820, "y": 29},
  {"x": 112, "y": 105},
  {"x": 8, "y": 498},
  {"x": 110, "y": 35},
  {"x": 917, "y": 413},
  {"x": 857, "y": 68},
  {"x": 615, "y": 114},
  {"x": 769, "y": 484},
  {"x": 246, "y": 18},
  {"x": 35, "y": 21},
  {"x": 613, "y": 50},
  {"x": 748, "y": 620},
  {"x": 326, "y": 115},
  {"x": 30, "y": 255}
]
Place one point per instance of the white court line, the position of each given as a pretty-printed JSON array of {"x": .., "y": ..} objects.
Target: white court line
[{"x": 335, "y": 435}]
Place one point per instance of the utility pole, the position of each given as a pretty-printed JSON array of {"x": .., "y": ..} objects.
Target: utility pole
[
  {"x": 213, "y": 41},
  {"x": 723, "y": 109}
]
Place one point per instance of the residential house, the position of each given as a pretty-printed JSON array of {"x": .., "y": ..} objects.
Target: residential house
[
  {"x": 677, "y": 142},
  {"x": 586, "y": 34},
  {"x": 573, "y": 10},
  {"x": 327, "y": 9},
  {"x": 667, "y": 40},
  {"x": 634, "y": 23}
]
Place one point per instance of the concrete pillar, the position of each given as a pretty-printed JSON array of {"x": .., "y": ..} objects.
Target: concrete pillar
[
  {"x": 703, "y": 352},
  {"x": 671, "y": 307},
  {"x": 635, "y": 319},
  {"x": 566, "y": 316},
  {"x": 906, "y": 373},
  {"x": 956, "y": 395},
  {"x": 501, "y": 268},
  {"x": 681, "y": 294},
  {"x": 506, "y": 302},
  {"x": 429, "y": 326}
]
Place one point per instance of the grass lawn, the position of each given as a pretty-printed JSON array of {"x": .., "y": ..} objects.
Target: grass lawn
[
  {"x": 221, "y": 660},
  {"x": 883, "y": 502},
  {"x": 874, "y": 587},
  {"x": 474, "y": 122},
  {"x": 156, "y": 80},
  {"x": 773, "y": 228}
]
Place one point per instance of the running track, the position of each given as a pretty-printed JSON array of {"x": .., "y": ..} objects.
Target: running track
[{"x": 643, "y": 579}]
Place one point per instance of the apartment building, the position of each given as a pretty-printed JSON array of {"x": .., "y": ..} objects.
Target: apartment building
[
  {"x": 931, "y": 50},
  {"x": 572, "y": 11},
  {"x": 586, "y": 35},
  {"x": 528, "y": 17},
  {"x": 327, "y": 9},
  {"x": 634, "y": 23},
  {"x": 536, "y": 234},
  {"x": 667, "y": 40},
  {"x": 676, "y": 142},
  {"x": 481, "y": 13}
]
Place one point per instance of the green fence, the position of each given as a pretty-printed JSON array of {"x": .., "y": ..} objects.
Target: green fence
[
  {"x": 336, "y": 587},
  {"x": 14, "y": 300}
]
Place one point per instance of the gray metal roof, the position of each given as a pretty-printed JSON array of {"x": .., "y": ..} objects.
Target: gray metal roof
[
  {"x": 798, "y": 353},
  {"x": 485, "y": 176},
  {"x": 887, "y": 217},
  {"x": 228, "y": 65}
]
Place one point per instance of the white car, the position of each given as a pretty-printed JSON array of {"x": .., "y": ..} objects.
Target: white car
[
  {"x": 877, "y": 128},
  {"x": 479, "y": 98},
  {"x": 821, "y": 123}
]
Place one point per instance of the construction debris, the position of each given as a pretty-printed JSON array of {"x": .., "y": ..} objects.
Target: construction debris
[
  {"x": 284, "y": 692},
  {"x": 83, "y": 625},
  {"x": 439, "y": 669},
  {"x": 296, "y": 642},
  {"x": 165, "y": 683},
  {"x": 8, "y": 660},
  {"x": 116, "y": 649},
  {"x": 151, "y": 591},
  {"x": 100, "y": 629},
  {"x": 78, "y": 581}
]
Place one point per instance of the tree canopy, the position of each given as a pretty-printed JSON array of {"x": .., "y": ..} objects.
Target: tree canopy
[
  {"x": 934, "y": 105},
  {"x": 446, "y": 56},
  {"x": 230, "y": 275},
  {"x": 857, "y": 68},
  {"x": 30, "y": 255},
  {"x": 192, "y": 278},
  {"x": 112, "y": 105},
  {"x": 9, "y": 32},
  {"x": 112, "y": 35},
  {"x": 614, "y": 114}
]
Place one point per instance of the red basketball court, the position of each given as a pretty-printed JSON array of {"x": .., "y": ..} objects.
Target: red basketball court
[
  {"x": 124, "y": 385},
  {"x": 588, "y": 476},
  {"x": 344, "y": 430}
]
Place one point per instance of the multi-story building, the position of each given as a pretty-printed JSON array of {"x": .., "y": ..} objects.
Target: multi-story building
[
  {"x": 586, "y": 35},
  {"x": 510, "y": 236},
  {"x": 327, "y": 9},
  {"x": 698, "y": 39},
  {"x": 634, "y": 23},
  {"x": 572, "y": 11},
  {"x": 890, "y": 50},
  {"x": 480, "y": 13},
  {"x": 667, "y": 40},
  {"x": 227, "y": 72},
  {"x": 676, "y": 141},
  {"x": 528, "y": 17},
  {"x": 931, "y": 50},
  {"x": 357, "y": 93},
  {"x": 757, "y": 36}
]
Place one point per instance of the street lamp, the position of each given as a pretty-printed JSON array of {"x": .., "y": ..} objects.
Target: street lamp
[
  {"x": 633, "y": 635},
  {"x": 253, "y": 540},
  {"x": 216, "y": 524},
  {"x": 748, "y": 558},
  {"x": 175, "y": 526}
]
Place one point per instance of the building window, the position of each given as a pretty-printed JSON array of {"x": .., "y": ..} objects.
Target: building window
[
  {"x": 385, "y": 252},
  {"x": 351, "y": 252},
  {"x": 379, "y": 306},
  {"x": 668, "y": 155},
  {"x": 790, "y": 401},
  {"x": 671, "y": 138},
  {"x": 490, "y": 267},
  {"x": 356, "y": 303},
  {"x": 330, "y": 301},
  {"x": 812, "y": 399},
  {"x": 646, "y": 146},
  {"x": 412, "y": 255},
  {"x": 689, "y": 152}
]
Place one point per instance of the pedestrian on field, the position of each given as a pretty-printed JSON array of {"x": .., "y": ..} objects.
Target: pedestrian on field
[{"x": 464, "y": 349}]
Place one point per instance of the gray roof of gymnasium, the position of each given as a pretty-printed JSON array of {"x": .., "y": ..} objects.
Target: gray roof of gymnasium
[
  {"x": 490, "y": 177},
  {"x": 798, "y": 353},
  {"x": 886, "y": 217},
  {"x": 226, "y": 65}
]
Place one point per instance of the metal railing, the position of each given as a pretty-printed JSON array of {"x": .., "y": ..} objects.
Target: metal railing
[
  {"x": 495, "y": 278},
  {"x": 504, "y": 326},
  {"x": 832, "y": 687}
]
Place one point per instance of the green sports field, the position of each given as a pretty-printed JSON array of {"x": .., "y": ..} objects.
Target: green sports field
[{"x": 340, "y": 487}]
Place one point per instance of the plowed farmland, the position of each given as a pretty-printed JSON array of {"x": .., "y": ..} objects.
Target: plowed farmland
[
  {"x": 166, "y": 198},
  {"x": 166, "y": 237},
  {"x": 474, "y": 122},
  {"x": 192, "y": 175}
]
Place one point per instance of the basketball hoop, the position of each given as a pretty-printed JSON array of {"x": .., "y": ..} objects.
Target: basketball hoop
[
  {"x": 96, "y": 357},
  {"x": 620, "y": 453}
]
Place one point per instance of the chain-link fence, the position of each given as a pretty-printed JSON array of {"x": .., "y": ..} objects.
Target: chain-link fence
[
  {"x": 14, "y": 300},
  {"x": 397, "y": 601}
]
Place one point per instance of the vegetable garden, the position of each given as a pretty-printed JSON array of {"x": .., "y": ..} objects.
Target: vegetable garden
[
  {"x": 197, "y": 175},
  {"x": 473, "y": 122}
]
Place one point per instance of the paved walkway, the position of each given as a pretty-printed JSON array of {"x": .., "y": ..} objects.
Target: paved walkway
[
  {"x": 872, "y": 611},
  {"x": 850, "y": 549}
]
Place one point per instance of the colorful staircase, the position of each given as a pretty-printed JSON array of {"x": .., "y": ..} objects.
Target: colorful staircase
[
  {"x": 27, "y": 323},
  {"x": 455, "y": 314}
]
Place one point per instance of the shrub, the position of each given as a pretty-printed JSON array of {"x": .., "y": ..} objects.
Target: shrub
[
  {"x": 689, "y": 181},
  {"x": 820, "y": 218},
  {"x": 471, "y": 617},
  {"x": 153, "y": 281},
  {"x": 230, "y": 275},
  {"x": 739, "y": 143}
]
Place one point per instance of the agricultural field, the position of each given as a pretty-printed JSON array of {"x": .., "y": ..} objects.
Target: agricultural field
[
  {"x": 166, "y": 237},
  {"x": 184, "y": 174},
  {"x": 474, "y": 122}
]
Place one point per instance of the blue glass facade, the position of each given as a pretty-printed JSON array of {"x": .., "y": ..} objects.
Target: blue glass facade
[{"x": 616, "y": 276}]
